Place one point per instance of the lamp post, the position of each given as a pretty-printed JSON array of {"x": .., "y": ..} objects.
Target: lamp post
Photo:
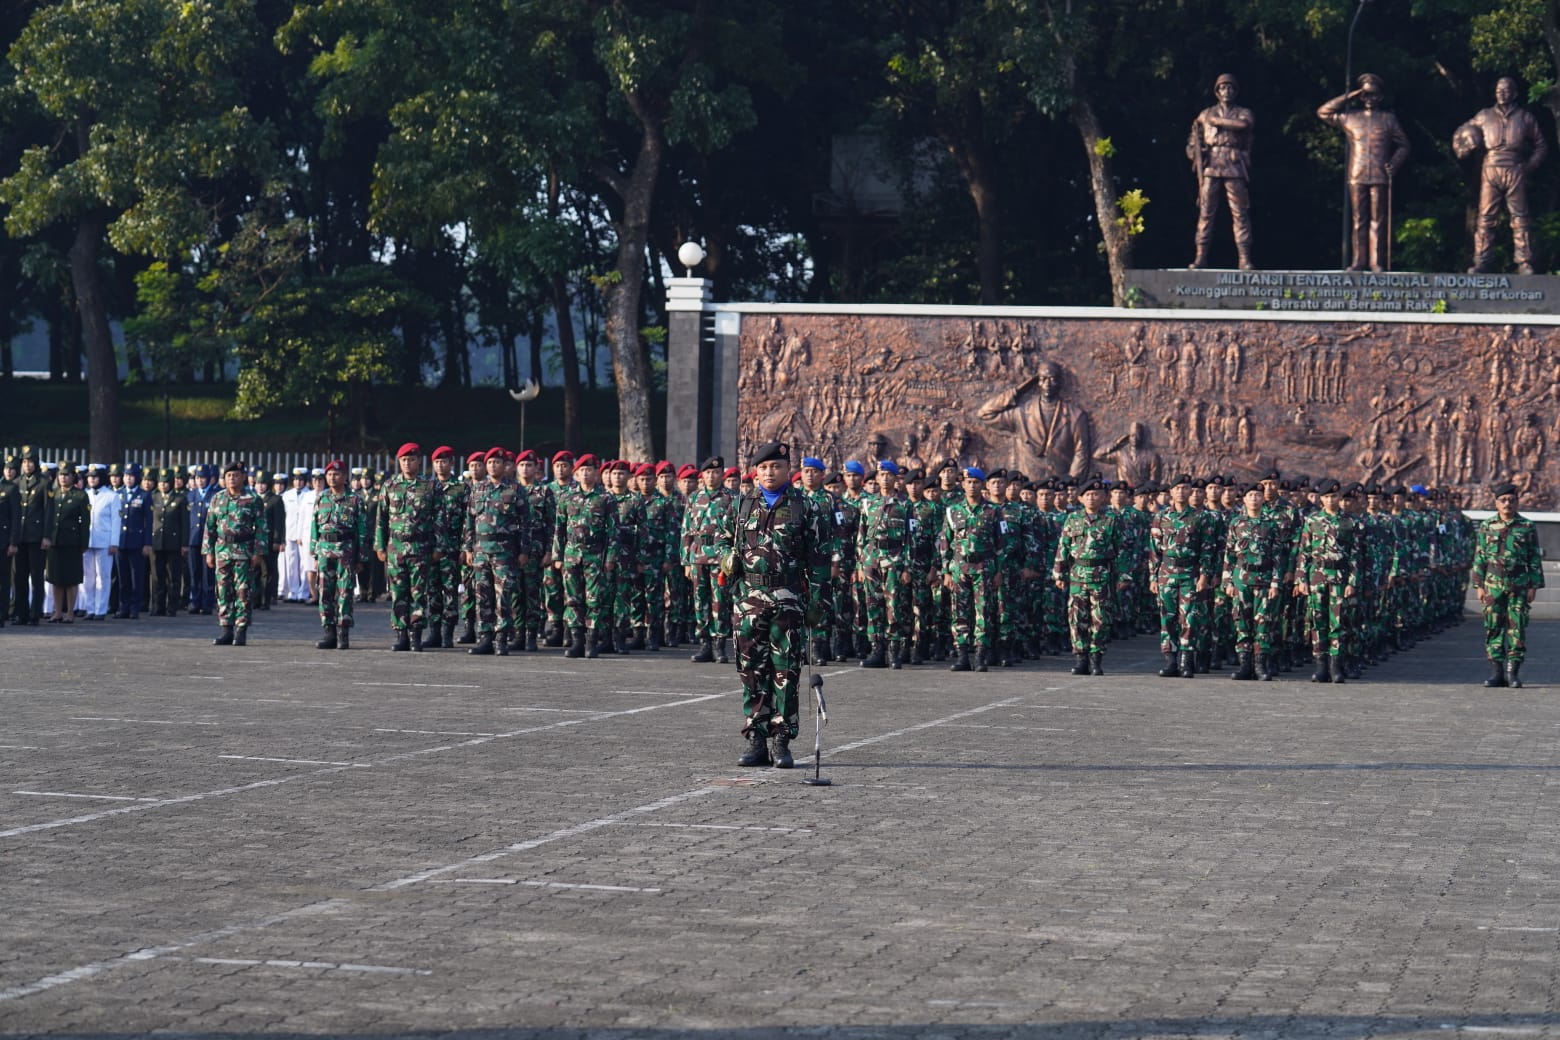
[{"x": 529, "y": 391}]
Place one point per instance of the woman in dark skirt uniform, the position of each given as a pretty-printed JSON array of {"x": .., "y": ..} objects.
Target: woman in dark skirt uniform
[{"x": 67, "y": 541}]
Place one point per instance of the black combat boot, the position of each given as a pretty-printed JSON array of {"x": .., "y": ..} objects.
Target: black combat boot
[
  {"x": 723, "y": 651},
  {"x": 1335, "y": 668},
  {"x": 1010, "y": 654},
  {"x": 1186, "y": 664},
  {"x": 225, "y": 638},
  {"x": 417, "y": 643},
  {"x": 602, "y": 640},
  {"x": 552, "y": 634},
  {"x": 639, "y": 639},
  {"x": 576, "y": 643},
  {"x": 403, "y": 640},
  {"x": 1353, "y": 667},
  {"x": 484, "y": 647},
  {"x": 1080, "y": 664},
  {"x": 1497, "y": 674},
  {"x": 917, "y": 653},
  {"x": 1096, "y": 664},
  {"x": 530, "y": 640},
  {"x": 877, "y": 658},
  {"x": 840, "y": 650},
  {"x": 468, "y": 634},
  {"x": 961, "y": 662},
  {"x": 757, "y": 753},
  {"x": 656, "y": 639},
  {"x": 1514, "y": 674},
  {"x": 1265, "y": 670},
  {"x": 1321, "y": 673},
  {"x": 328, "y": 641},
  {"x": 592, "y": 644},
  {"x": 706, "y": 654},
  {"x": 896, "y": 655},
  {"x": 435, "y": 638},
  {"x": 503, "y": 646},
  {"x": 343, "y": 639},
  {"x": 780, "y": 750},
  {"x": 1204, "y": 661},
  {"x": 1248, "y": 668},
  {"x": 820, "y": 651},
  {"x": 862, "y": 648},
  {"x": 449, "y": 634},
  {"x": 241, "y": 635},
  {"x": 1170, "y": 670},
  {"x": 982, "y": 658}
]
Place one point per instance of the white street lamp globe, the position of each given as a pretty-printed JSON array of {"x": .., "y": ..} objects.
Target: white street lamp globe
[{"x": 691, "y": 254}]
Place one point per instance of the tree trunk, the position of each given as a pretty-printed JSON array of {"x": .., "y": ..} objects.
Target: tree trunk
[
  {"x": 102, "y": 365},
  {"x": 1118, "y": 244},
  {"x": 629, "y": 368},
  {"x": 569, "y": 357},
  {"x": 971, "y": 155}
]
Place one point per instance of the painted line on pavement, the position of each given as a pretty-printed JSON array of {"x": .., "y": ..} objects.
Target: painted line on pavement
[
  {"x": 298, "y": 761},
  {"x": 100, "y": 797}
]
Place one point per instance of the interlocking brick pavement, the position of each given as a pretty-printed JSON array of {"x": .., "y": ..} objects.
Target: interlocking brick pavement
[{"x": 279, "y": 841}]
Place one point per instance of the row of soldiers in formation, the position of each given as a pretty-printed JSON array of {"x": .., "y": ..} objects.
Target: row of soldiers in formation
[{"x": 982, "y": 568}]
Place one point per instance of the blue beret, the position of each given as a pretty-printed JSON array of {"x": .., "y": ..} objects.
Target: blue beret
[
  {"x": 855, "y": 467},
  {"x": 1419, "y": 489},
  {"x": 811, "y": 463},
  {"x": 975, "y": 473},
  {"x": 890, "y": 465}
]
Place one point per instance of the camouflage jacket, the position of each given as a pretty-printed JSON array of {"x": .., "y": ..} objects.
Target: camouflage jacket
[
  {"x": 498, "y": 520},
  {"x": 883, "y": 535},
  {"x": 339, "y": 527},
  {"x": 1328, "y": 552},
  {"x": 706, "y": 527},
  {"x": 969, "y": 537},
  {"x": 661, "y": 533},
  {"x": 1018, "y": 536},
  {"x": 1184, "y": 543},
  {"x": 827, "y": 503},
  {"x": 453, "y": 495},
  {"x": 1254, "y": 551},
  {"x": 1507, "y": 556},
  {"x": 847, "y": 519},
  {"x": 409, "y": 514},
  {"x": 925, "y": 525},
  {"x": 1089, "y": 548},
  {"x": 585, "y": 530},
  {"x": 543, "y": 503},
  {"x": 777, "y": 548},
  {"x": 235, "y": 526}
]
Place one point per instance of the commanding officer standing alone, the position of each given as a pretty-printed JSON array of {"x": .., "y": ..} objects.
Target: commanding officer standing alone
[
  {"x": 409, "y": 513},
  {"x": 30, "y": 538},
  {"x": 778, "y": 538},
  {"x": 235, "y": 531},
  {"x": 1088, "y": 568},
  {"x": 339, "y": 534},
  {"x": 1507, "y": 573}
]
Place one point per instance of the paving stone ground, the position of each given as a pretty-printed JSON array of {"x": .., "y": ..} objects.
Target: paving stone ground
[{"x": 278, "y": 841}]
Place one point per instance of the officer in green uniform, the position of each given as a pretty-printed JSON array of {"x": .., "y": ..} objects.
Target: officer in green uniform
[
  {"x": 68, "y": 536},
  {"x": 704, "y": 542},
  {"x": 496, "y": 541},
  {"x": 542, "y": 506},
  {"x": 1185, "y": 553},
  {"x": 30, "y": 538},
  {"x": 561, "y": 484},
  {"x": 970, "y": 571},
  {"x": 925, "y": 524},
  {"x": 585, "y": 553},
  {"x": 170, "y": 543},
  {"x": 338, "y": 535},
  {"x": 444, "y": 573},
  {"x": 1327, "y": 575},
  {"x": 1254, "y": 563},
  {"x": 883, "y": 568},
  {"x": 406, "y": 540},
  {"x": 235, "y": 532},
  {"x": 1507, "y": 573},
  {"x": 658, "y": 552},
  {"x": 1088, "y": 566}
]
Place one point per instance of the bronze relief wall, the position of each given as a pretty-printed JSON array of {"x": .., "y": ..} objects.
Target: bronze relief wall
[{"x": 1447, "y": 404}]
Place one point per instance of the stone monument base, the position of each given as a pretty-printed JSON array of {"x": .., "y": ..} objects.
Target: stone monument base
[{"x": 1402, "y": 292}]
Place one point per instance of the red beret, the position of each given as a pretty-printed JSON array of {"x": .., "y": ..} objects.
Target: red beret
[
  {"x": 663, "y": 467},
  {"x": 564, "y": 456},
  {"x": 335, "y": 464},
  {"x": 687, "y": 470},
  {"x": 586, "y": 459},
  {"x": 526, "y": 456},
  {"x": 409, "y": 448},
  {"x": 493, "y": 453},
  {"x": 443, "y": 450},
  {"x": 644, "y": 469},
  {"x": 750, "y": 476},
  {"x": 732, "y": 472},
  {"x": 476, "y": 456}
]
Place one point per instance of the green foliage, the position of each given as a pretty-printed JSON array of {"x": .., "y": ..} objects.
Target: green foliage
[
  {"x": 1421, "y": 245},
  {"x": 1105, "y": 148},
  {"x": 1131, "y": 204}
]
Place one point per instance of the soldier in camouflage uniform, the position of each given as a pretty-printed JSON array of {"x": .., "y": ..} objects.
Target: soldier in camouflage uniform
[
  {"x": 1327, "y": 558},
  {"x": 925, "y": 522},
  {"x": 1018, "y": 551},
  {"x": 971, "y": 571},
  {"x": 1088, "y": 566},
  {"x": 1185, "y": 552},
  {"x": 1053, "y": 604},
  {"x": 543, "y": 507},
  {"x": 778, "y": 539},
  {"x": 704, "y": 534},
  {"x": 658, "y": 544},
  {"x": 849, "y": 617},
  {"x": 409, "y": 513},
  {"x": 628, "y": 585},
  {"x": 820, "y": 586},
  {"x": 495, "y": 543},
  {"x": 1255, "y": 561},
  {"x": 235, "y": 533},
  {"x": 561, "y": 484},
  {"x": 1507, "y": 573},
  {"x": 585, "y": 553},
  {"x": 338, "y": 533},
  {"x": 444, "y": 573},
  {"x": 883, "y": 568}
]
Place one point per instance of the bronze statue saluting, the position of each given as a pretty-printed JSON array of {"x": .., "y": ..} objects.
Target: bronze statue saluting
[
  {"x": 1377, "y": 150},
  {"x": 1220, "y": 150}
]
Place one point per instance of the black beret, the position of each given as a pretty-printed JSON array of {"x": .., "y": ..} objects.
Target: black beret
[
  {"x": 1096, "y": 484},
  {"x": 915, "y": 474},
  {"x": 1272, "y": 474},
  {"x": 1122, "y": 485},
  {"x": 773, "y": 451},
  {"x": 1179, "y": 479},
  {"x": 997, "y": 474},
  {"x": 232, "y": 466},
  {"x": 1326, "y": 487},
  {"x": 713, "y": 462},
  {"x": 1508, "y": 488}
]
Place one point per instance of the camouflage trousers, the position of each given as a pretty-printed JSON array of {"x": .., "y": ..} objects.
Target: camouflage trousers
[
  {"x": 406, "y": 575},
  {"x": 495, "y": 585},
  {"x": 1254, "y": 613},
  {"x": 1089, "y": 602},
  {"x": 337, "y": 582},
  {"x": 820, "y": 600},
  {"x": 711, "y": 604},
  {"x": 972, "y": 610},
  {"x": 468, "y": 602},
  {"x": 552, "y": 595},
  {"x": 1325, "y": 614},
  {"x": 235, "y": 581},
  {"x": 679, "y": 598},
  {"x": 847, "y": 607},
  {"x": 1505, "y": 623},
  {"x": 922, "y": 600},
  {"x": 1054, "y": 613},
  {"x": 1182, "y": 613},
  {"x": 885, "y": 602},
  {"x": 531, "y": 613},
  {"x": 628, "y": 603},
  {"x": 769, "y": 639},
  {"x": 652, "y": 598},
  {"x": 587, "y": 595},
  {"x": 1012, "y": 607},
  {"x": 444, "y": 580}
]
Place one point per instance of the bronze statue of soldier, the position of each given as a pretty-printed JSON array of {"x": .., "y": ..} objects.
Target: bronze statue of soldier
[
  {"x": 1377, "y": 149},
  {"x": 1220, "y": 149},
  {"x": 1513, "y": 147}
]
